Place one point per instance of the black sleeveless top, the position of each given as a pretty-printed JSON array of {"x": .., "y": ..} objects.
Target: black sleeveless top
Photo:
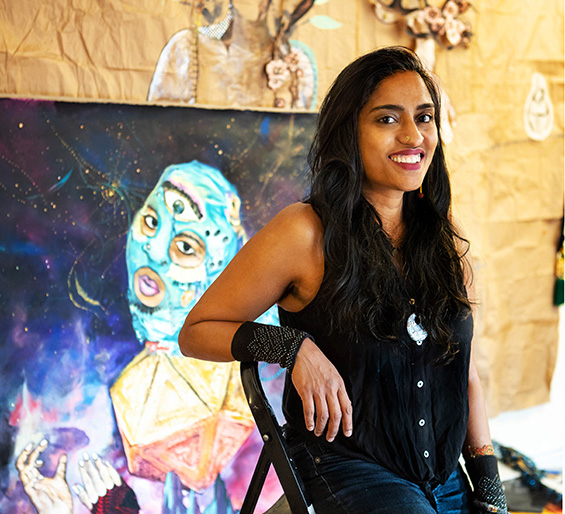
[{"x": 409, "y": 414}]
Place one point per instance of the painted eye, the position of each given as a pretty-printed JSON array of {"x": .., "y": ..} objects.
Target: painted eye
[
  {"x": 178, "y": 207},
  {"x": 187, "y": 250},
  {"x": 181, "y": 206},
  {"x": 149, "y": 222}
]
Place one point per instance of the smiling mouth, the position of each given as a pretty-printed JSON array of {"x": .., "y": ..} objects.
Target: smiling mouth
[{"x": 407, "y": 159}]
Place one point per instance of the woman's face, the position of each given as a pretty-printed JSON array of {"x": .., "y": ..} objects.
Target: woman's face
[{"x": 397, "y": 136}]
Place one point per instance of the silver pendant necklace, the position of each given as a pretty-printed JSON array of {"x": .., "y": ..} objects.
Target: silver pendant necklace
[{"x": 414, "y": 328}]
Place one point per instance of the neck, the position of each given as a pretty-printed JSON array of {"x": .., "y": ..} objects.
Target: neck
[{"x": 389, "y": 207}]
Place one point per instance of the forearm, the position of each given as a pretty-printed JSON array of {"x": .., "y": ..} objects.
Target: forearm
[
  {"x": 478, "y": 434},
  {"x": 480, "y": 461},
  {"x": 208, "y": 340},
  {"x": 248, "y": 341}
]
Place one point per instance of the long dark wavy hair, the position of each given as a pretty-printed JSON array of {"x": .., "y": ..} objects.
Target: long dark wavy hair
[{"x": 362, "y": 281}]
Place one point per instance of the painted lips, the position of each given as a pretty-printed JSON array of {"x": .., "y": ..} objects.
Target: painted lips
[{"x": 148, "y": 286}]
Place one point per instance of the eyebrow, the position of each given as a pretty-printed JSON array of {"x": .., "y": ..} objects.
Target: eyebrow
[{"x": 394, "y": 107}]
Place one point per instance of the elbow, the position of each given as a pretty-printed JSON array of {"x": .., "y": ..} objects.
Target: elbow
[
  {"x": 475, "y": 386},
  {"x": 185, "y": 338}
]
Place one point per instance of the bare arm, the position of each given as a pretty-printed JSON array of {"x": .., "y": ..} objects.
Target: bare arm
[
  {"x": 283, "y": 264},
  {"x": 478, "y": 434},
  {"x": 271, "y": 268},
  {"x": 478, "y": 451}
]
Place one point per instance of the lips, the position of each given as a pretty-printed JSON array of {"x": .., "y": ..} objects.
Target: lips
[
  {"x": 408, "y": 159},
  {"x": 147, "y": 285}
]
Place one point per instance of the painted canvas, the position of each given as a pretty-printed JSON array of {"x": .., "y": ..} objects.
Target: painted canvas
[{"x": 116, "y": 219}]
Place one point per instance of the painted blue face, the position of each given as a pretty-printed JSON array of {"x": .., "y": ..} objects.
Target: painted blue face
[{"x": 180, "y": 240}]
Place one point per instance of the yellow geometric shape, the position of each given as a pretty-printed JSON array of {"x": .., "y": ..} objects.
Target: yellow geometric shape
[{"x": 179, "y": 414}]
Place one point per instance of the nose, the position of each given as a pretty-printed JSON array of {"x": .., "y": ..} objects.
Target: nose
[{"x": 410, "y": 135}]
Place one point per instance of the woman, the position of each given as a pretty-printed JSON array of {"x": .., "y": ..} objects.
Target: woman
[{"x": 381, "y": 395}]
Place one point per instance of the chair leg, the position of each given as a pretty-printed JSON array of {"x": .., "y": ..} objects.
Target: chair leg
[{"x": 257, "y": 482}]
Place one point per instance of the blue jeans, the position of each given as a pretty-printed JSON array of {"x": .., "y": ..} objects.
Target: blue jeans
[{"x": 341, "y": 485}]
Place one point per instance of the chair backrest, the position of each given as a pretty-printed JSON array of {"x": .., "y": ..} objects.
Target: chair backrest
[{"x": 275, "y": 450}]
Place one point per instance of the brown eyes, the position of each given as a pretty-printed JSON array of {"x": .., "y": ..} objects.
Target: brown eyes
[{"x": 424, "y": 118}]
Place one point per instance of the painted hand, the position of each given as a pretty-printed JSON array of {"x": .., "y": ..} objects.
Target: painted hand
[
  {"x": 48, "y": 495},
  {"x": 98, "y": 477},
  {"x": 322, "y": 391}
]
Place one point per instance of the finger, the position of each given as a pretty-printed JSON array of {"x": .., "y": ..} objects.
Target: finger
[
  {"x": 309, "y": 411},
  {"x": 88, "y": 486},
  {"x": 321, "y": 415},
  {"x": 83, "y": 497},
  {"x": 31, "y": 473},
  {"x": 61, "y": 467},
  {"x": 22, "y": 459},
  {"x": 96, "y": 481},
  {"x": 116, "y": 478},
  {"x": 40, "y": 448},
  {"x": 335, "y": 417},
  {"x": 103, "y": 472},
  {"x": 346, "y": 411}
]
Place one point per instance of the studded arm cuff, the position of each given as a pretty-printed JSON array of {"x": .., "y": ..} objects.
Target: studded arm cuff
[
  {"x": 267, "y": 343},
  {"x": 487, "y": 487}
]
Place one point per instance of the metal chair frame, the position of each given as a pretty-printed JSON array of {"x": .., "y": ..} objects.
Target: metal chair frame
[{"x": 275, "y": 450}]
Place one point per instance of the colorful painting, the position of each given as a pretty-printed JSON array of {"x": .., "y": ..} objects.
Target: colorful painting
[{"x": 116, "y": 219}]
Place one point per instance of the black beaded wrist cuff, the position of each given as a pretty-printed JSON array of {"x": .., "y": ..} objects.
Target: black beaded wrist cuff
[
  {"x": 487, "y": 487},
  {"x": 267, "y": 343}
]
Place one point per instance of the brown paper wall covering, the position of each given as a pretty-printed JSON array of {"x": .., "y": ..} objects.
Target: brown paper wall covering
[{"x": 508, "y": 189}]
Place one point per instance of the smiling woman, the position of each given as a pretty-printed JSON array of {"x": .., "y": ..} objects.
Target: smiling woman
[{"x": 381, "y": 394}]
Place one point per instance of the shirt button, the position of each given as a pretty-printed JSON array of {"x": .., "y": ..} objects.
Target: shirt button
[
  {"x": 426, "y": 454},
  {"x": 420, "y": 383},
  {"x": 422, "y": 422}
]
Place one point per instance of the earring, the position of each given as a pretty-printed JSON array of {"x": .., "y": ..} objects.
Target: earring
[{"x": 420, "y": 193}]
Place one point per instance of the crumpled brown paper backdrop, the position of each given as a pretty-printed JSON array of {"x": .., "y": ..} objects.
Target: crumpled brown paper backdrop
[{"x": 508, "y": 189}]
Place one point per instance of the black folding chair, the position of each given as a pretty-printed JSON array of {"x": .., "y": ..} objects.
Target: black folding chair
[{"x": 274, "y": 451}]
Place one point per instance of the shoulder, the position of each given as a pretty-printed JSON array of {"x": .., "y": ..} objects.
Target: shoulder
[
  {"x": 298, "y": 225},
  {"x": 299, "y": 217},
  {"x": 294, "y": 233},
  {"x": 298, "y": 234}
]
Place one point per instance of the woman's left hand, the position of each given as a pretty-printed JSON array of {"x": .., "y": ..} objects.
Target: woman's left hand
[{"x": 322, "y": 391}]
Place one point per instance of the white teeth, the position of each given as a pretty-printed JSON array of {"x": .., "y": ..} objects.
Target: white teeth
[{"x": 407, "y": 159}]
